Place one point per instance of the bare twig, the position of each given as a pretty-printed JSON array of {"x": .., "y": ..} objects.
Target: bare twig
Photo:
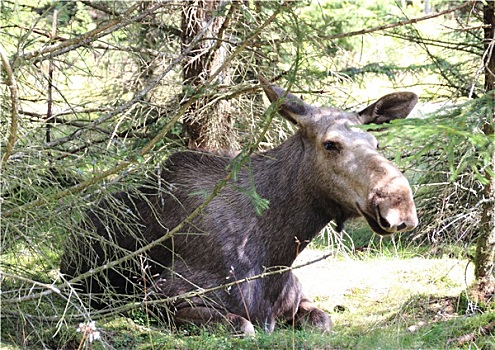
[
  {"x": 12, "y": 84},
  {"x": 247, "y": 41},
  {"x": 103, "y": 30},
  {"x": 97, "y": 5},
  {"x": 156, "y": 80},
  {"x": 102, "y": 46},
  {"x": 56, "y": 117},
  {"x": 49, "y": 102},
  {"x": 137, "y": 98},
  {"x": 46, "y": 286},
  {"x": 40, "y": 32},
  {"x": 222, "y": 29},
  {"x": 124, "y": 164},
  {"x": 449, "y": 45},
  {"x": 397, "y": 24},
  {"x": 274, "y": 270}
]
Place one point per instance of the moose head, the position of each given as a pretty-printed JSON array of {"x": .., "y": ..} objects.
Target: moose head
[{"x": 348, "y": 167}]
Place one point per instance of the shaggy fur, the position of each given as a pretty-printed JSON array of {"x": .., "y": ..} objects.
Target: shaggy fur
[{"x": 326, "y": 171}]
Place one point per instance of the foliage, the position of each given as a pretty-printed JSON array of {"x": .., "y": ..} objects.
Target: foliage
[
  {"x": 447, "y": 157},
  {"x": 101, "y": 102}
]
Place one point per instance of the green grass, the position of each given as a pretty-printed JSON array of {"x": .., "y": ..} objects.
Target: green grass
[{"x": 384, "y": 297}]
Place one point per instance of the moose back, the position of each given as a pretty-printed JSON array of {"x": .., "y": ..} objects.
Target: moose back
[{"x": 326, "y": 171}]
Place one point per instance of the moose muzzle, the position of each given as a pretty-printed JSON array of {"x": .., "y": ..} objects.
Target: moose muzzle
[{"x": 390, "y": 207}]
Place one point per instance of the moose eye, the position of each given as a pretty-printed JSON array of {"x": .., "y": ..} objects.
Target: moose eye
[{"x": 331, "y": 146}]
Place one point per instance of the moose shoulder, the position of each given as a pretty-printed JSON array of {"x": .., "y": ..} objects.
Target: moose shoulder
[{"x": 326, "y": 171}]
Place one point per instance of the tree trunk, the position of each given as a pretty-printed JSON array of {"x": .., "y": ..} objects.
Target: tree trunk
[
  {"x": 485, "y": 249},
  {"x": 208, "y": 124}
]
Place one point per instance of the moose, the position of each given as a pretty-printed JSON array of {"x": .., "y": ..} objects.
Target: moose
[{"x": 327, "y": 171}]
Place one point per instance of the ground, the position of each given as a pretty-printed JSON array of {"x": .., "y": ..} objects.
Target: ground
[
  {"x": 385, "y": 298},
  {"x": 372, "y": 289}
]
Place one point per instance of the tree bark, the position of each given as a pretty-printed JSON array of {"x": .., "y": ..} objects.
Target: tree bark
[
  {"x": 485, "y": 249},
  {"x": 208, "y": 124}
]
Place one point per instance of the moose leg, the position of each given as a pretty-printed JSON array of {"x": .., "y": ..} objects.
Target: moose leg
[
  {"x": 293, "y": 305},
  {"x": 202, "y": 315},
  {"x": 308, "y": 314}
]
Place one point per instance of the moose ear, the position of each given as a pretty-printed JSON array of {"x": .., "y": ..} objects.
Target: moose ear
[
  {"x": 392, "y": 106},
  {"x": 291, "y": 107}
]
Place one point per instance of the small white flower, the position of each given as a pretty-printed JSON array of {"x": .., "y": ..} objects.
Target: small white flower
[
  {"x": 80, "y": 328},
  {"x": 89, "y": 330},
  {"x": 94, "y": 336}
]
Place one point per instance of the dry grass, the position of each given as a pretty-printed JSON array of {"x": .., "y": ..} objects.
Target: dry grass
[{"x": 371, "y": 290}]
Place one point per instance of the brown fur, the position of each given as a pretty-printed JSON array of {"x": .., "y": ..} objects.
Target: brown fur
[{"x": 326, "y": 171}]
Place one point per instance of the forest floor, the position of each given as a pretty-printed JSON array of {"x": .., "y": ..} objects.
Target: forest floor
[{"x": 377, "y": 300}]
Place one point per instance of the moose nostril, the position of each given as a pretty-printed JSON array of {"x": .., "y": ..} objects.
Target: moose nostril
[
  {"x": 402, "y": 226},
  {"x": 384, "y": 222}
]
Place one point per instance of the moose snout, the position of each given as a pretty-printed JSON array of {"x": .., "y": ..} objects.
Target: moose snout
[
  {"x": 385, "y": 220},
  {"x": 398, "y": 219},
  {"x": 390, "y": 208}
]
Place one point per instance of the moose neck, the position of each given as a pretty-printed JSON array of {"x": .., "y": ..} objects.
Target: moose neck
[{"x": 298, "y": 211}]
